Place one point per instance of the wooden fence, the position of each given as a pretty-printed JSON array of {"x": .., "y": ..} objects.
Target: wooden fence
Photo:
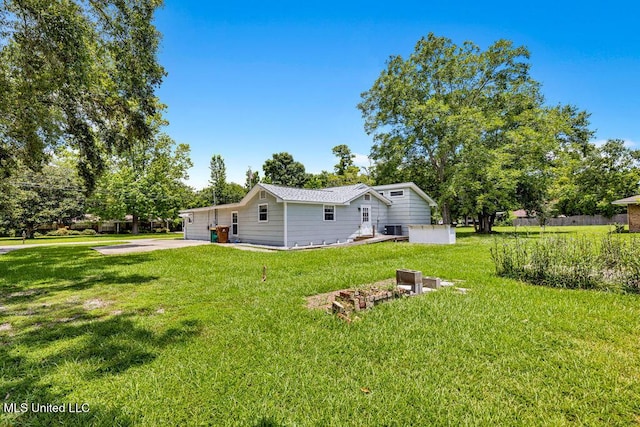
[{"x": 575, "y": 220}]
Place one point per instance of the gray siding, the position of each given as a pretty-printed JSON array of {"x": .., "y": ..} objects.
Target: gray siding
[
  {"x": 408, "y": 209},
  {"x": 199, "y": 228},
  {"x": 250, "y": 230},
  {"x": 306, "y": 224}
]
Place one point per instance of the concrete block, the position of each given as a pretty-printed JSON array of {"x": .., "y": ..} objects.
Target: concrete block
[
  {"x": 431, "y": 282},
  {"x": 408, "y": 277}
]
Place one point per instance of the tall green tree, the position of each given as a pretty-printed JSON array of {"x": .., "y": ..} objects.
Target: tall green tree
[
  {"x": 218, "y": 178},
  {"x": 55, "y": 194},
  {"x": 145, "y": 183},
  {"x": 252, "y": 179},
  {"x": 282, "y": 169},
  {"x": 76, "y": 73},
  {"x": 345, "y": 158},
  {"x": 591, "y": 178},
  {"x": 474, "y": 119}
]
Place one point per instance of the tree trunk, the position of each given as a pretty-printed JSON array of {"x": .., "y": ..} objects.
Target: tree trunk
[
  {"x": 134, "y": 224},
  {"x": 446, "y": 214},
  {"x": 485, "y": 222}
]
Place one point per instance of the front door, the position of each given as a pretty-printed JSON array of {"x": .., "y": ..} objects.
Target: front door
[{"x": 365, "y": 220}]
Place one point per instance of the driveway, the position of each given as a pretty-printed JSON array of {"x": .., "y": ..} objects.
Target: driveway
[
  {"x": 147, "y": 245},
  {"x": 141, "y": 245}
]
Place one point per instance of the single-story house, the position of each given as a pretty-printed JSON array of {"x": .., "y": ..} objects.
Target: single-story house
[
  {"x": 288, "y": 217},
  {"x": 633, "y": 212}
]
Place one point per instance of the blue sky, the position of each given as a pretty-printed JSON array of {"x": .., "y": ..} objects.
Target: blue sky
[{"x": 249, "y": 79}]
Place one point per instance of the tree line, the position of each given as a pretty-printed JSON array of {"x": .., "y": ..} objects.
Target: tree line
[{"x": 81, "y": 128}]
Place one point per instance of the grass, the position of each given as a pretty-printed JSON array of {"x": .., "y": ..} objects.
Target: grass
[
  {"x": 194, "y": 337},
  {"x": 10, "y": 241}
]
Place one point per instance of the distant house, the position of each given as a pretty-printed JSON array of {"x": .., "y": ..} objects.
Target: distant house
[
  {"x": 289, "y": 217},
  {"x": 633, "y": 212}
]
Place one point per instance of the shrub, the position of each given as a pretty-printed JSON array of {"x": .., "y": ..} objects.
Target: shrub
[
  {"x": 89, "y": 232},
  {"x": 58, "y": 232},
  {"x": 74, "y": 233},
  {"x": 161, "y": 230},
  {"x": 612, "y": 263},
  {"x": 37, "y": 234}
]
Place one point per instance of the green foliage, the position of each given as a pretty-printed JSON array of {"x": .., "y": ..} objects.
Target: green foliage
[
  {"x": 63, "y": 232},
  {"x": 577, "y": 263},
  {"x": 281, "y": 169},
  {"x": 89, "y": 232},
  {"x": 145, "y": 183},
  {"x": 591, "y": 178},
  {"x": 468, "y": 126},
  {"x": 345, "y": 172},
  {"x": 218, "y": 179},
  {"x": 81, "y": 74},
  {"x": 252, "y": 179},
  {"x": 31, "y": 199}
]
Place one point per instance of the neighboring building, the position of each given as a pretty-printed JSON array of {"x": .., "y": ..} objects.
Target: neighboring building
[
  {"x": 289, "y": 217},
  {"x": 633, "y": 212}
]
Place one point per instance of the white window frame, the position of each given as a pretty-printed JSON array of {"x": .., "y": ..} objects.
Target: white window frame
[
  {"x": 324, "y": 213},
  {"x": 234, "y": 223},
  {"x": 263, "y": 195},
  {"x": 396, "y": 195},
  {"x": 267, "y": 212},
  {"x": 367, "y": 197}
]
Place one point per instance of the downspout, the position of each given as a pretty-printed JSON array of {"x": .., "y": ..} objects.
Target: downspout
[{"x": 286, "y": 226}]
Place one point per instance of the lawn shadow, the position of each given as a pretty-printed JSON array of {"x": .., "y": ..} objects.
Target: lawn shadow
[
  {"x": 95, "y": 345},
  {"x": 36, "y": 272},
  {"x": 50, "y": 345}
]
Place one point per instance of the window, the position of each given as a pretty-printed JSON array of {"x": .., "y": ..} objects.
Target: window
[
  {"x": 263, "y": 213},
  {"x": 367, "y": 197},
  {"x": 234, "y": 223},
  {"x": 396, "y": 193},
  {"x": 329, "y": 212},
  {"x": 263, "y": 194}
]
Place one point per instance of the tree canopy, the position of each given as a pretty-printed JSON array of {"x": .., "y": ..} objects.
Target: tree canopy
[
  {"x": 282, "y": 169},
  {"x": 55, "y": 194},
  {"x": 146, "y": 183},
  {"x": 78, "y": 74},
  {"x": 468, "y": 124}
]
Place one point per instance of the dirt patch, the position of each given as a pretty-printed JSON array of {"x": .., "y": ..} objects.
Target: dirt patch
[
  {"x": 5, "y": 327},
  {"x": 93, "y": 304},
  {"x": 324, "y": 301}
]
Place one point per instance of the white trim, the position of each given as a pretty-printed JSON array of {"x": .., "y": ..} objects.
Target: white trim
[
  {"x": 236, "y": 223},
  {"x": 370, "y": 221},
  {"x": 367, "y": 197},
  {"x": 286, "y": 226},
  {"x": 324, "y": 213},
  {"x": 263, "y": 194},
  {"x": 396, "y": 196},
  {"x": 260, "y": 205}
]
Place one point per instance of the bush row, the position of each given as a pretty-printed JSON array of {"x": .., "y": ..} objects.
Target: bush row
[
  {"x": 67, "y": 232},
  {"x": 609, "y": 263}
]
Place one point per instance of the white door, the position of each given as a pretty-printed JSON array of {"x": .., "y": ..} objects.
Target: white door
[{"x": 365, "y": 220}]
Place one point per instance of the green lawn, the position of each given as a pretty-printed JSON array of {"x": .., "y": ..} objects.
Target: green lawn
[
  {"x": 194, "y": 337},
  {"x": 7, "y": 241}
]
